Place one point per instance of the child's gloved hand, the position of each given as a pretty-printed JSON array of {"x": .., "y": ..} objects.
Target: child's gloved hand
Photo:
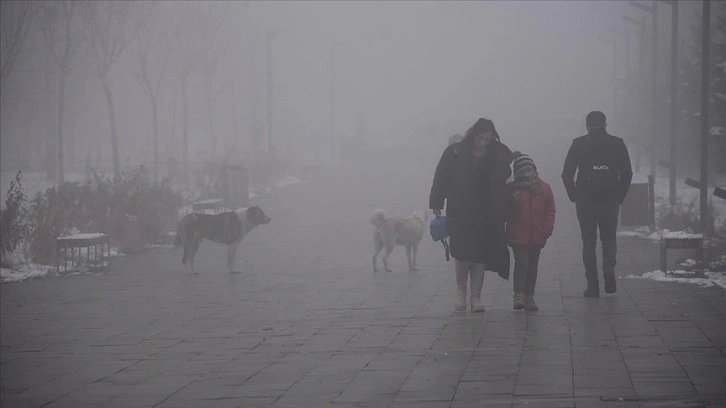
[{"x": 516, "y": 199}]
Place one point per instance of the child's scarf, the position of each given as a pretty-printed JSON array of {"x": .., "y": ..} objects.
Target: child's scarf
[{"x": 529, "y": 183}]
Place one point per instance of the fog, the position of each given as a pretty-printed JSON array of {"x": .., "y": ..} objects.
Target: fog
[{"x": 400, "y": 70}]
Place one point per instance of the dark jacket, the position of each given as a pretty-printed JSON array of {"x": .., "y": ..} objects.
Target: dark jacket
[
  {"x": 603, "y": 168},
  {"x": 531, "y": 221},
  {"x": 474, "y": 191}
]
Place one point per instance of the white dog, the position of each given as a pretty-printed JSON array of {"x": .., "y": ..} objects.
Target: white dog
[{"x": 392, "y": 231}]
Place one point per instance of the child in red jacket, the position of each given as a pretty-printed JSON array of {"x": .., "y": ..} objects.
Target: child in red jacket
[{"x": 530, "y": 221}]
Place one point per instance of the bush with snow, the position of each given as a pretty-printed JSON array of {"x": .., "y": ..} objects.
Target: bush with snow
[{"x": 14, "y": 225}]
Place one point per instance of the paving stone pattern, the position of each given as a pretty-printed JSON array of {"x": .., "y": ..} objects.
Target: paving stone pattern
[{"x": 307, "y": 323}]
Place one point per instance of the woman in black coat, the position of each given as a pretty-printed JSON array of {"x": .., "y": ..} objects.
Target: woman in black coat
[{"x": 471, "y": 178}]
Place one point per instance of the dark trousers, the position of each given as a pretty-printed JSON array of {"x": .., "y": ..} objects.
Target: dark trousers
[
  {"x": 593, "y": 216},
  {"x": 526, "y": 260}
]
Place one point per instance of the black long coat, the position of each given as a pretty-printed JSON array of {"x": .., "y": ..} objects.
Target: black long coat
[{"x": 475, "y": 193}]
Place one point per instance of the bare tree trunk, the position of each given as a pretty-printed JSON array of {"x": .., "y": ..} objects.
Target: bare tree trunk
[
  {"x": 185, "y": 133},
  {"x": 235, "y": 125},
  {"x": 155, "y": 123},
  {"x": 50, "y": 153},
  {"x": 212, "y": 137},
  {"x": 114, "y": 136},
  {"x": 59, "y": 145}
]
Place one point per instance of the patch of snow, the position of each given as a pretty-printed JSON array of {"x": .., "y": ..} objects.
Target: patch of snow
[
  {"x": 287, "y": 181},
  {"x": 89, "y": 235},
  {"x": 644, "y": 232},
  {"x": 680, "y": 234},
  {"x": 718, "y": 278},
  {"x": 711, "y": 279},
  {"x": 25, "y": 271},
  {"x": 209, "y": 201}
]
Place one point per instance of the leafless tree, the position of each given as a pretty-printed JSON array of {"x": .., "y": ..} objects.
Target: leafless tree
[
  {"x": 188, "y": 24},
  {"x": 16, "y": 20},
  {"x": 63, "y": 39},
  {"x": 107, "y": 26},
  {"x": 210, "y": 61},
  {"x": 152, "y": 57},
  {"x": 221, "y": 51}
]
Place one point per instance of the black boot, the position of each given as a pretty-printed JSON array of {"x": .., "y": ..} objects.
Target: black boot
[
  {"x": 593, "y": 288},
  {"x": 610, "y": 283},
  {"x": 609, "y": 249}
]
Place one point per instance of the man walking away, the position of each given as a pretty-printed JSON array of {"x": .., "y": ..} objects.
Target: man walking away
[{"x": 604, "y": 173}]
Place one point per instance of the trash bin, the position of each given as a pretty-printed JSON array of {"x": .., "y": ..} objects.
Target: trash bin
[{"x": 637, "y": 207}]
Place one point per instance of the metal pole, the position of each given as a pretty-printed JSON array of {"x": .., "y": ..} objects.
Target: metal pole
[
  {"x": 705, "y": 59},
  {"x": 638, "y": 124},
  {"x": 268, "y": 54},
  {"x": 614, "y": 76},
  {"x": 619, "y": 113},
  {"x": 333, "y": 146},
  {"x": 641, "y": 89},
  {"x": 626, "y": 95},
  {"x": 674, "y": 100},
  {"x": 653, "y": 10},
  {"x": 654, "y": 93}
]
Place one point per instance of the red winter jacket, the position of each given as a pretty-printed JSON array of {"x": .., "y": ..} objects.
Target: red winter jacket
[{"x": 532, "y": 223}]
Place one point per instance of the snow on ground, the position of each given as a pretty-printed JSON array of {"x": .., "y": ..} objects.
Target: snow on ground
[
  {"x": 26, "y": 271},
  {"x": 685, "y": 197},
  {"x": 710, "y": 278}
]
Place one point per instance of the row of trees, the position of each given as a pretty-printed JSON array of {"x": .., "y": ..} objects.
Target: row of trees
[
  {"x": 689, "y": 88},
  {"x": 165, "y": 44}
]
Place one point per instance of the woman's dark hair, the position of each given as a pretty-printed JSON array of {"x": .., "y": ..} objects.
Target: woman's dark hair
[{"x": 482, "y": 125}]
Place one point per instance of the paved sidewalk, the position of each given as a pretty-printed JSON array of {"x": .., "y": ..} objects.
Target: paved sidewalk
[{"x": 308, "y": 324}]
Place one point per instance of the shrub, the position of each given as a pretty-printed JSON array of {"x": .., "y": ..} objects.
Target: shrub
[
  {"x": 132, "y": 210},
  {"x": 14, "y": 226},
  {"x": 54, "y": 213},
  {"x": 684, "y": 217}
]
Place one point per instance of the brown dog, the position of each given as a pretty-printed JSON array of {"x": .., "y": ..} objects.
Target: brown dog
[{"x": 224, "y": 228}]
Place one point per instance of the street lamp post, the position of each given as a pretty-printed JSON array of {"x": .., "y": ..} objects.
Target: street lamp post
[
  {"x": 623, "y": 112},
  {"x": 268, "y": 54},
  {"x": 706, "y": 43},
  {"x": 653, "y": 10},
  {"x": 674, "y": 97},
  {"x": 333, "y": 137},
  {"x": 614, "y": 79},
  {"x": 640, "y": 25}
]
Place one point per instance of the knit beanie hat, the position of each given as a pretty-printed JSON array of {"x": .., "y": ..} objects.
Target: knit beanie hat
[{"x": 521, "y": 161}]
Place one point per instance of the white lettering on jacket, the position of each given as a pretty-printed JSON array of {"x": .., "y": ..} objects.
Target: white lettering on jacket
[{"x": 601, "y": 167}]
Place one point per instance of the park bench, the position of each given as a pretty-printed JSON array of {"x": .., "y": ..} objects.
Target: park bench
[
  {"x": 680, "y": 240},
  {"x": 76, "y": 243}
]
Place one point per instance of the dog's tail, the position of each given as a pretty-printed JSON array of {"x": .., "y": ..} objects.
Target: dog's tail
[{"x": 378, "y": 218}]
